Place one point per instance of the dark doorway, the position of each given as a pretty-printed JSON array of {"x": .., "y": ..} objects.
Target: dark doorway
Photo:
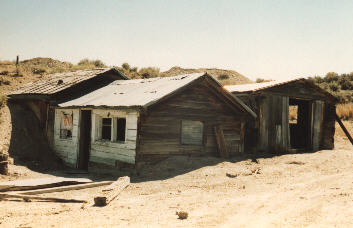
[
  {"x": 299, "y": 123},
  {"x": 85, "y": 139}
]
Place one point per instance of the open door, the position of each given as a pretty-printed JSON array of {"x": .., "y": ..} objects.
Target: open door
[
  {"x": 85, "y": 139},
  {"x": 300, "y": 118}
]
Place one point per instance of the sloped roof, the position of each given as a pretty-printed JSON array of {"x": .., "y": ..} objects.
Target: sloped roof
[
  {"x": 140, "y": 92},
  {"x": 258, "y": 86},
  {"x": 61, "y": 81},
  {"x": 255, "y": 87}
]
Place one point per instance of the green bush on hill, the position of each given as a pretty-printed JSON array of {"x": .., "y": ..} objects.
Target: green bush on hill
[{"x": 340, "y": 86}]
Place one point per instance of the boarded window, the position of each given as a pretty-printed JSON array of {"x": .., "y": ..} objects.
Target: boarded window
[
  {"x": 106, "y": 128},
  {"x": 66, "y": 126},
  {"x": 191, "y": 132},
  {"x": 120, "y": 130}
]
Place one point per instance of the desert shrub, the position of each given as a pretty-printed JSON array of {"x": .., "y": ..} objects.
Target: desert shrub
[
  {"x": 86, "y": 63},
  {"x": 331, "y": 77},
  {"x": 346, "y": 85},
  {"x": 125, "y": 66},
  {"x": 39, "y": 70},
  {"x": 259, "y": 80},
  {"x": 5, "y": 72},
  {"x": 334, "y": 86},
  {"x": 83, "y": 62},
  {"x": 149, "y": 72},
  {"x": 223, "y": 77},
  {"x": 345, "y": 111},
  {"x": 4, "y": 82},
  {"x": 98, "y": 63},
  {"x": 133, "y": 69}
]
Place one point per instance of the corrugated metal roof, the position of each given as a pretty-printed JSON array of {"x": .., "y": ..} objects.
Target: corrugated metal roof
[
  {"x": 138, "y": 92},
  {"x": 258, "y": 86},
  {"x": 58, "y": 82}
]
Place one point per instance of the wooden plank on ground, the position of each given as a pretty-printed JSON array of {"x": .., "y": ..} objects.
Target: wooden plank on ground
[
  {"x": 344, "y": 129},
  {"x": 222, "y": 149},
  {"x": 39, "y": 183},
  {"x": 49, "y": 199},
  {"x": 112, "y": 191},
  {"x": 66, "y": 188}
]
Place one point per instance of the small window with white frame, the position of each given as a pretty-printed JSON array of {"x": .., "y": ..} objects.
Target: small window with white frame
[
  {"x": 66, "y": 126},
  {"x": 112, "y": 129}
]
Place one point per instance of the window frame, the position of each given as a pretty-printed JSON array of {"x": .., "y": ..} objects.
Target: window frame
[{"x": 114, "y": 128}]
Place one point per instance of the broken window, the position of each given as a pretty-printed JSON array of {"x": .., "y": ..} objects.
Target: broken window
[
  {"x": 66, "y": 126},
  {"x": 191, "y": 132},
  {"x": 120, "y": 130},
  {"x": 293, "y": 114},
  {"x": 106, "y": 128}
]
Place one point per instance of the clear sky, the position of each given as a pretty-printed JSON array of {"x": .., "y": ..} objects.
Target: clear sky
[{"x": 265, "y": 38}]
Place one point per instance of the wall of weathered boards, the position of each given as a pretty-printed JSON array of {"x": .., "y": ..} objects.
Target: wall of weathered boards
[
  {"x": 182, "y": 124},
  {"x": 273, "y": 132},
  {"x": 162, "y": 129}
]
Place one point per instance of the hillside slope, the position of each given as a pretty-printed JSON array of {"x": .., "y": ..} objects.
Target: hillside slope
[{"x": 226, "y": 77}]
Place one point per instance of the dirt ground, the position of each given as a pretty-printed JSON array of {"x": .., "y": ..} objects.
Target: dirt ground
[{"x": 294, "y": 190}]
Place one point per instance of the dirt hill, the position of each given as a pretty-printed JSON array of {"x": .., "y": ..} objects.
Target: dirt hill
[
  {"x": 226, "y": 77},
  {"x": 39, "y": 68}
]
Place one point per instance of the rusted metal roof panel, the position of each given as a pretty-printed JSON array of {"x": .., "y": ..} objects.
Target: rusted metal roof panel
[
  {"x": 132, "y": 93},
  {"x": 258, "y": 86},
  {"x": 58, "y": 82}
]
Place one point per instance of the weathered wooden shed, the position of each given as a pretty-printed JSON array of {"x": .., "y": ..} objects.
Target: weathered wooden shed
[
  {"x": 147, "y": 119},
  {"x": 42, "y": 96},
  {"x": 312, "y": 109}
]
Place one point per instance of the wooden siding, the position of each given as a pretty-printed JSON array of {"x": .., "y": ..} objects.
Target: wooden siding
[
  {"x": 317, "y": 124},
  {"x": 273, "y": 124},
  {"x": 296, "y": 90},
  {"x": 160, "y": 128},
  {"x": 67, "y": 149},
  {"x": 110, "y": 152}
]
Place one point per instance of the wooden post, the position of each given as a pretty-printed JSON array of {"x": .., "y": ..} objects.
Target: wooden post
[
  {"x": 344, "y": 129},
  {"x": 222, "y": 149}
]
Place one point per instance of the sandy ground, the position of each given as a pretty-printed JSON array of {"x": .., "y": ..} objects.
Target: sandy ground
[{"x": 295, "y": 190}]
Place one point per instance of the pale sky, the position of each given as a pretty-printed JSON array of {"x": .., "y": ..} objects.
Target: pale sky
[{"x": 268, "y": 39}]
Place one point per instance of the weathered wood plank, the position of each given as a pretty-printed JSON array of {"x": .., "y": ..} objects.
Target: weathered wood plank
[
  {"x": 49, "y": 199},
  {"x": 112, "y": 191},
  {"x": 222, "y": 149},
  {"x": 66, "y": 188}
]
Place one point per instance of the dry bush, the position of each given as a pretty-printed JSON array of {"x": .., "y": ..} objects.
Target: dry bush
[{"x": 345, "y": 111}]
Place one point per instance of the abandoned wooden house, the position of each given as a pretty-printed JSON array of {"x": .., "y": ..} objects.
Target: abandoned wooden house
[
  {"x": 43, "y": 95},
  {"x": 293, "y": 115},
  {"x": 146, "y": 119}
]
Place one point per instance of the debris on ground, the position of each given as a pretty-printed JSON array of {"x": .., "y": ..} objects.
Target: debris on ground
[{"x": 182, "y": 215}]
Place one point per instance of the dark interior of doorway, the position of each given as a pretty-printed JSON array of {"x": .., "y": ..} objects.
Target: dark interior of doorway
[
  {"x": 299, "y": 123},
  {"x": 85, "y": 139}
]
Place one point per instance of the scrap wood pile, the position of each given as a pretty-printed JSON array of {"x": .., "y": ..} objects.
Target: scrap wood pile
[{"x": 29, "y": 189}]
